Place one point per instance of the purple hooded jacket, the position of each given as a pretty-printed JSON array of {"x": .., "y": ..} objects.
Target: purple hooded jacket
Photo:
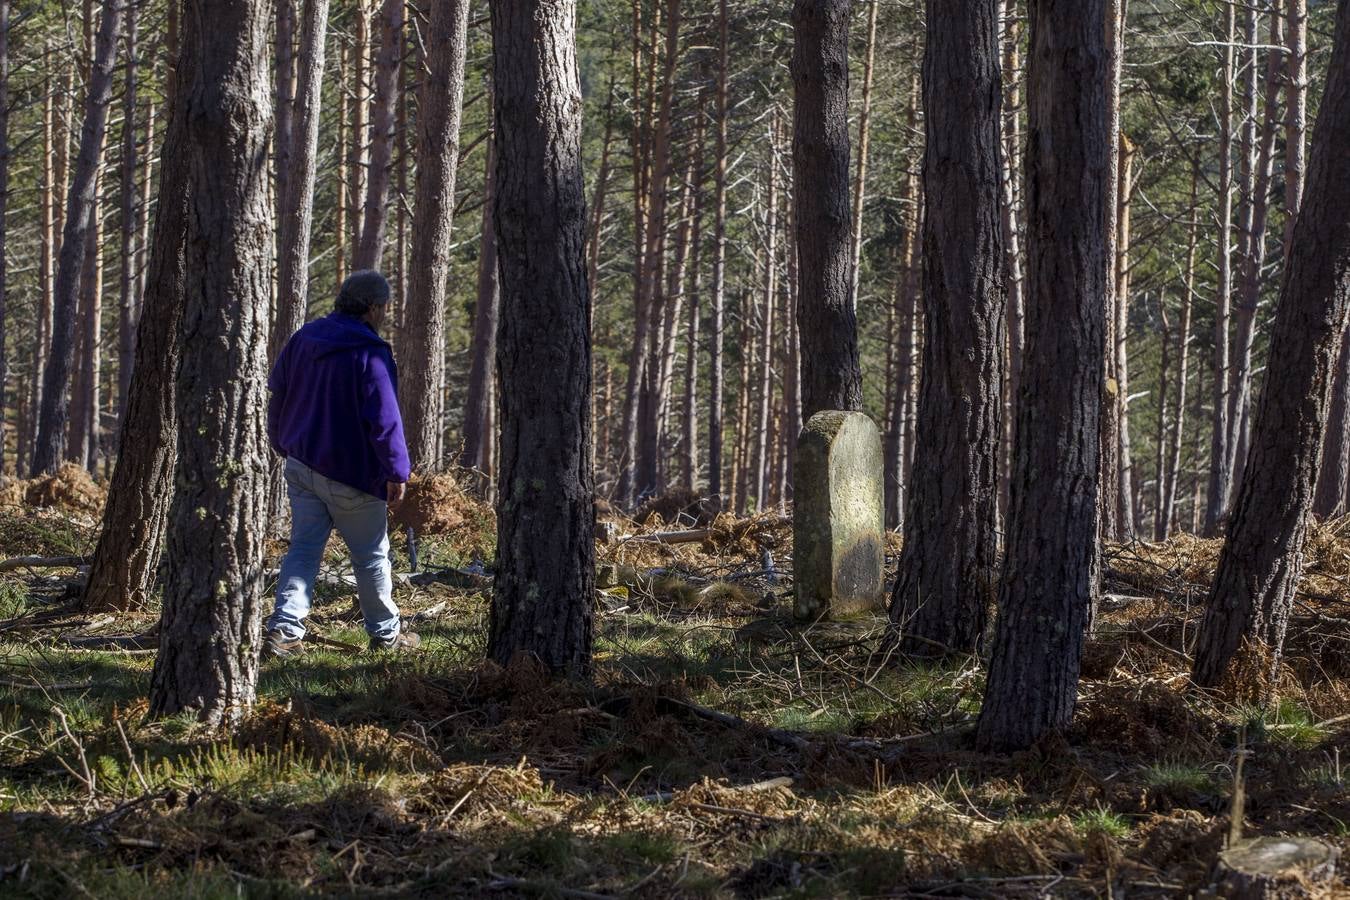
[{"x": 334, "y": 404}]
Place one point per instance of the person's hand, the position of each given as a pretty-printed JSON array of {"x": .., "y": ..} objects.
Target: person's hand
[{"x": 396, "y": 491}]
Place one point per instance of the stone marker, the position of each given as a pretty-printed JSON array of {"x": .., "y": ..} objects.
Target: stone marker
[{"x": 838, "y": 521}]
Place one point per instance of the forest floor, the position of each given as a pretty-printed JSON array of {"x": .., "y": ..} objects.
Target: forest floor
[{"x": 720, "y": 750}]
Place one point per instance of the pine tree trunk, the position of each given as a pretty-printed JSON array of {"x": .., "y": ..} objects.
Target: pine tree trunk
[
  {"x": 1262, "y": 557},
  {"x": 826, "y": 318},
  {"x": 1220, "y": 454},
  {"x": 716, "y": 317},
  {"x": 482, "y": 369},
  {"x": 357, "y": 148},
  {"x": 906, "y": 303},
  {"x": 946, "y": 578},
  {"x": 382, "y": 110},
  {"x": 1051, "y": 558},
  {"x": 81, "y": 205},
  {"x": 297, "y": 204},
  {"x": 210, "y": 627},
  {"x": 864, "y": 142},
  {"x": 284, "y": 81},
  {"x": 437, "y": 153},
  {"x": 1172, "y": 471},
  {"x": 1012, "y": 240},
  {"x": 1125, "y": 511},
  {"x": 342, "y": 188},
  {"x": 1109, "y": 483},
  {"x": 1295, "y": 113},
  {"x": 543, "y": 598},
  {"x": 1258, "y": 154},
  {"x": 766, "y": 317},
  {"x": 125, "y": 562},
  {"x": 126, "y": 318},
  {"x": 689, "y": 438}
]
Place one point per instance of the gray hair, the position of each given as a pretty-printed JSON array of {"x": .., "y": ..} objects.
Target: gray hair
[{"x": 360, "y": 291}]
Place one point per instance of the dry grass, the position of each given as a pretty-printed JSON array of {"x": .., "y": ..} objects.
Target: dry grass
[{"x": 439, "y": 775}]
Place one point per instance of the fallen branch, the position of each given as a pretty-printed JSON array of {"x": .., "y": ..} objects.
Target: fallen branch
[{"x": 42, "y": 562}]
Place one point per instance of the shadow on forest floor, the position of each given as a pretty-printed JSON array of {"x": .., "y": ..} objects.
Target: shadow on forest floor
[{"x": 718, "y": 751}]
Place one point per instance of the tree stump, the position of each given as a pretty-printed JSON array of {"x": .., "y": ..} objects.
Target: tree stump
[{"x": 1273, "y": 868}]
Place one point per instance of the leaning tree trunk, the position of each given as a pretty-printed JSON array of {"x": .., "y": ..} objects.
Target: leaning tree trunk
[
  {"x": 1051, "y": 559},
  {"x": 210, "y": 627},
  {"x": 483, "y": 368},
  {"x": 1262, "y": 555},
  {"x": 543, "y": 598},
  {"x": 382, "y": 108},
  {"x": 81, "y": 203},
  {"x": 826, "y": 319},
  {"x": 437, "y": 154},
  {"x": 946, "y": 579},
  {"x": 297, "y": 202},
  {"x": 122, "y": 575}
]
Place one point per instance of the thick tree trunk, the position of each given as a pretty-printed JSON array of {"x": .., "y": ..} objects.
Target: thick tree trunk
[
  {"x": 81, "y": 206},
  {"x": 483, "y": 367},
  {"x": 125, "y": 562},
  {"x": 382, "y": 109},
  {"x": 826, "y": 319},
  {"x": 297, "y": 203},
  {"x": 543, "y": 598},
  {"x": 1333, "y": 479},
  {"x": 210, "y": 627},
  {"x": 441, "y": 97},
  {"x": 1262, "y": 558},
  {"x": 1220, "y": 452},
  {"x": 716, "y": 315},
  {"x": 1051, "y": 559},
  {"x": 946, "y": 579}
]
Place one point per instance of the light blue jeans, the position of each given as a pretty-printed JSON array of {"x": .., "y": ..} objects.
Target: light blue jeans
[{"x": 318, "y": 505}]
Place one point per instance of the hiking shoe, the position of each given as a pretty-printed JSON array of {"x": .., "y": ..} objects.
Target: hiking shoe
[
  {"x": 282, "y": 647},
  {"x": 403, "y": 641}
]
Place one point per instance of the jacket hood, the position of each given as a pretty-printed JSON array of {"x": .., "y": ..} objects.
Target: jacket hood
[{"x": 340, "y": 333}]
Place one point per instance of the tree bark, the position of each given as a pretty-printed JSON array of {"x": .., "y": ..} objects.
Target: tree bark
[
  {"x": 1051, "y": 560},
  {"x": 766, "y": 317},
  {"x": 689, "y": 439},
  {"x": 1013, "y": 264},
  {"x": 210, "y": 627},
  {"x": 127, "y": 283},
  {"x": 826, "y": 318},
  {"x": 1295, "y": 113},
  {"x": 482, "y": 368},
  {"x": 543, "y": 597},
  {"x": 297, "y": 204},
  {"x": 81, "y": 205},
  {"x": 357, "y": 148},
  {"x": 1172, "y": 472},
  {"x": 1109, "y": 483},
  {"x": 135, "y": 517},
  {"x": 716, "y": 317},
  {"x": 946, "y": 578},
  {"x": 438, "y": 125},
  {"x": 382, "y": 109},
  {"x": 1125, "y": 509},
  {"x": 864, "y": 143},
  {"x": 906, "y": 303},
  {"x": 1262, "y": 558},
  {"x": 1220, "y": 454}
]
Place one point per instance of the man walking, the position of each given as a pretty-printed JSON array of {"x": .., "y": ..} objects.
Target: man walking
[{"x": 333, "y": 414}]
